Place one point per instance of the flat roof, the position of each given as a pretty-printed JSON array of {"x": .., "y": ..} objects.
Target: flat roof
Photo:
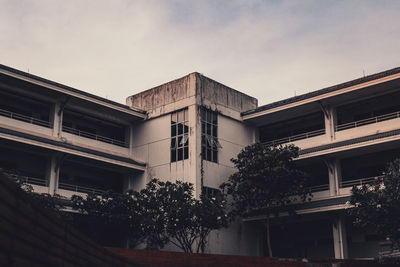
[
  {"x": 74, "y": 91},
  {"x": 323, "y": 91}
]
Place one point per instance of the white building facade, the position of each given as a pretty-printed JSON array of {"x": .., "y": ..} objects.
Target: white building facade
[{"x": 65, "y": 141}]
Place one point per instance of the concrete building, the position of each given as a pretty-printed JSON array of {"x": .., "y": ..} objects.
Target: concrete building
[{"x": 66, "y": 141}]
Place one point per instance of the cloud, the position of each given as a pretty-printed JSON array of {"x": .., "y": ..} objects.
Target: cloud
[{"x": 267, "y": 49}]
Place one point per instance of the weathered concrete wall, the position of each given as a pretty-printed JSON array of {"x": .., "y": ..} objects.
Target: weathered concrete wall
[
  {"x": 221, "y": 95},
  {"x": 192, "y": 88}
]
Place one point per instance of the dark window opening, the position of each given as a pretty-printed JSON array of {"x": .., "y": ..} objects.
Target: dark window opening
[
  {"x": 26, "y": 109},
  {"x": 85, "y": 179},
  {"x": 179, "y": 135},
  {"x": 211, "y": 192},
  {"x": 368, "y": 111},
  {"x": 209, "y": 135},
  {"x": 94, "y": 128},
  {"x": 317, "y": 176},
  {"x": 294, "y": 129},
  {"x": 366, "y": 166}
]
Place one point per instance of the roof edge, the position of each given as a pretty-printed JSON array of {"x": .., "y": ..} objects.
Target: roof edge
[
  {"x": 323, "y": 91},
  {"x": 53, "y": 83}
]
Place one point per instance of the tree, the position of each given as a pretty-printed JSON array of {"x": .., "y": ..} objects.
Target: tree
[
  {"x": 178, "y": 217},
  {"x": 160, "y": 213},
  {"x": 377, "y": 204},
  {"x": 266, "y": 181},
  {"x": 112, "y": 216}
]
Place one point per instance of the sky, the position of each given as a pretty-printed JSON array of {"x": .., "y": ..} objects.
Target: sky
[{"x": 270, "y": 50}]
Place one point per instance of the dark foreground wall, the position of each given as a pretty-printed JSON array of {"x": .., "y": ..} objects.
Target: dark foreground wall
[
  {"x": 172, "y": 259},
  {"x": 32, "y": 236}
]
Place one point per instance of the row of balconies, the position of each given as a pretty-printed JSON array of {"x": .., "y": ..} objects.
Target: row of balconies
[
  {"x": 337, "y": 128},
  {"x": 75, "y": 130}
]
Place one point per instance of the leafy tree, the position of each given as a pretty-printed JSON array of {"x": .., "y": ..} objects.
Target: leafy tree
[
  {"x": 117, "y": 215},
  {"x": 178, "y": 217},
  {"x": 162, "y": 212},
  {"x": 377, "y": 204},
  {"x": 266, "y": 181}
]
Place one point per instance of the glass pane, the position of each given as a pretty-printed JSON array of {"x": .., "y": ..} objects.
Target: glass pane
[
  {"x": 208, "y": 116},
  {"x": 180, "y": 128},
  {"x": 180, "y": 141},
  {"x": 208, "y": 153},
  {"x": 173, "y": 130},
  {"x": 208, "y": 131},
  {"x": 214, "y": 131},
  {"x": 186, "y": 153},
  {"x": 203, "y": 152},
  {"x": 173, "y": 118},
  {"x": 203, "y": 127},
  {"x": 180, "y": 154},
  {"x": 215, "y": 156},
  {"x": 186, "y": 127},
  {"x": 203, "y": 114},
  {"x": 173, "y": 142},
  {"x": 214, "y": 118},
  {"x": 203, "y": 140},
  {"x": 173, "y": 155}
]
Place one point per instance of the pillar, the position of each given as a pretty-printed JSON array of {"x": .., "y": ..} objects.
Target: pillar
[
  {"x": 56, "y": 117},
  {"x": 335, "y": 176},
  {"x": 53, "y": 171},
  {"x": 340, "y": 238},
  {"x": 330, "y": 119}
]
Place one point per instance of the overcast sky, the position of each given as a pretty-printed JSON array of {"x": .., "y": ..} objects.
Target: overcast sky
[{"x": 268, "y": 49}]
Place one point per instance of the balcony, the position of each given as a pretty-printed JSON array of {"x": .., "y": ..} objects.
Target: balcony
[
  {"x": 20, "y": 117},
  {"x": 94, "y": 136},
  {"x": 297, "y": 137},
  {"x": 26, "y": 179},
  {"x": 80, "y": 189},
  {"x": 294, "y": 129},
  {"x": 367, "y": 121},
  {"x": 357, "y": 182}
]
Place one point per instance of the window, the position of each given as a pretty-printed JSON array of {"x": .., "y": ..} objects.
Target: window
[
  {"x": 211, "y": 192},
  {"x": 179, "y": 135},
  {"x": 209, "y": 135}
]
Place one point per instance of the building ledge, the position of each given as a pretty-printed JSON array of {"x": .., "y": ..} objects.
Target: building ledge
[
  {"x": 345, "y": 143},
  {"x": 54, "y": 144}
]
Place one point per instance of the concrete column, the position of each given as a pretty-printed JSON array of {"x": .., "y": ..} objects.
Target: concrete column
[
  {"x": 340, "y": 238},
  {"x": 129, "y": 137},
  {"x": 330, "y": 121},
  {"x": 56, "y": 117},
  {"x": 335, "y": 176},
  {"x": 53, "y": 171}
]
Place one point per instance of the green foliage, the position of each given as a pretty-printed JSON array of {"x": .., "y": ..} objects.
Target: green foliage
[
  {"x": 160, "y": 213},
  {"x": 377, "y": 204},
  {"x": 175, "y": 215},
  {"x": 111, "y": 213},
  {"x": 266, "y": 179}
]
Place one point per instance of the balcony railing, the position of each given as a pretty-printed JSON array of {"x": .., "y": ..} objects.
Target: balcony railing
[
  {"x": 80, "y": 189},
  {"x": 24, "y": 118},
  {"x": 361, "y": 181},
  {"x": 348, "y": 183},
  {"x": 94, "y": 136},
  {"x": 317, "y": 188},
  {"x": 359, "y": 123},
  {"x": 295, "y": 137},
  {"x": 27, "y": 179}
]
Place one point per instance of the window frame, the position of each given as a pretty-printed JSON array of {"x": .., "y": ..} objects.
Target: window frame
[
  {"x": 179, "y": 139},
  {"x": 209, "y": 135}
]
